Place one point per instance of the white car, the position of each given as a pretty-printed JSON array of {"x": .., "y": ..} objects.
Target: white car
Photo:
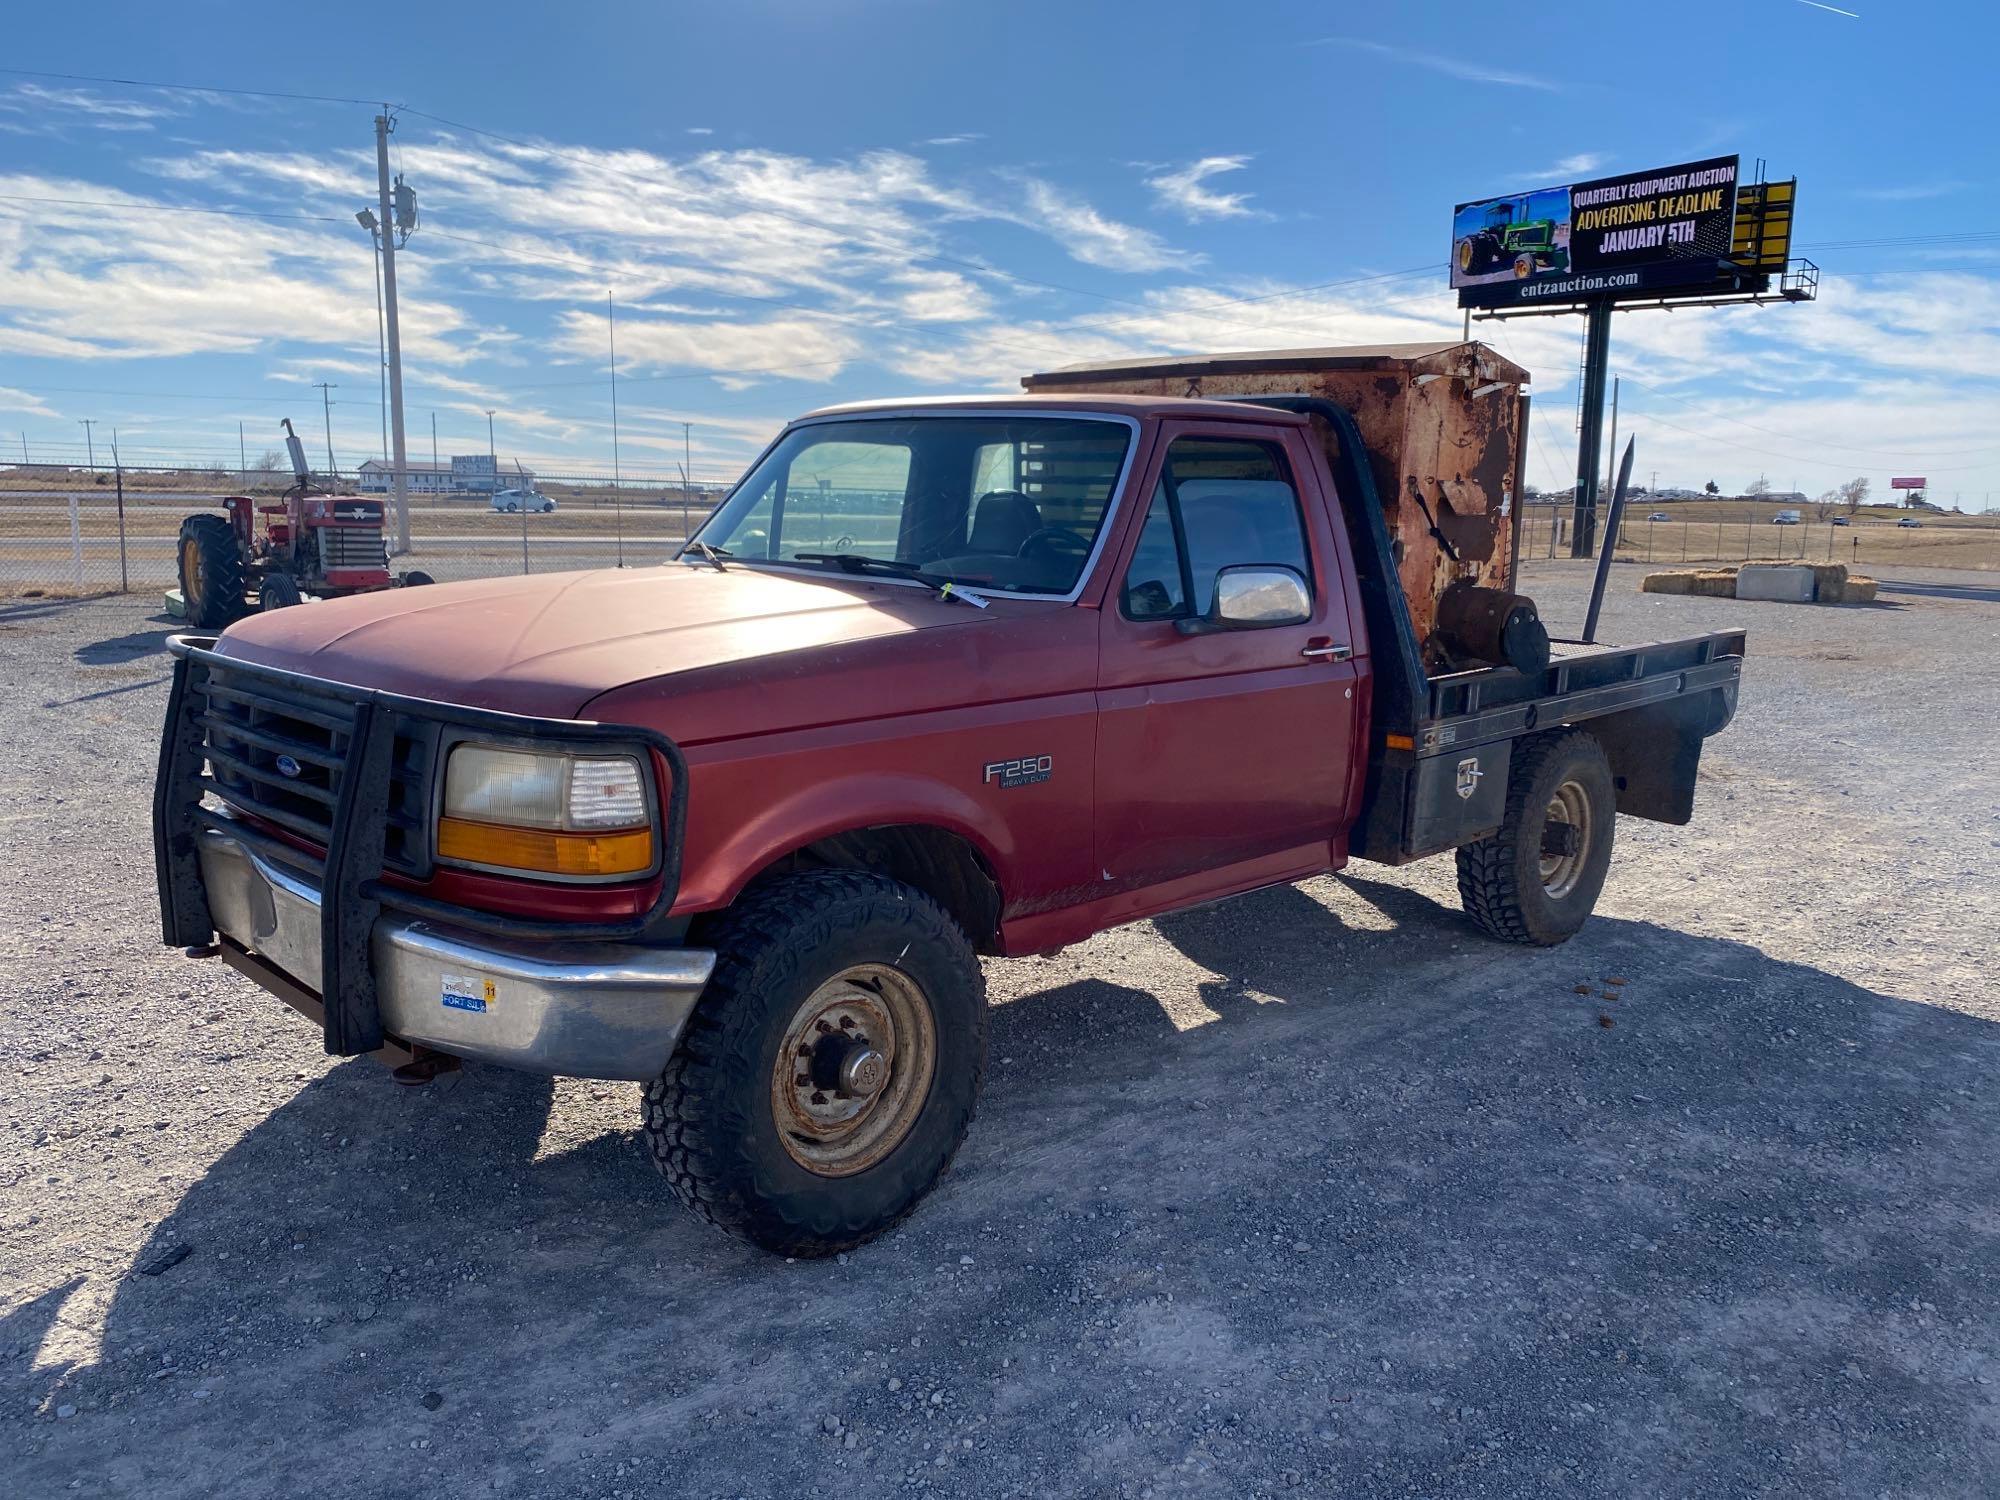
[{"x": 518, "y": 500}]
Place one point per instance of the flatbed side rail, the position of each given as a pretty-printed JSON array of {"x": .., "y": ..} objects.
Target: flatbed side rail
[
  {"x": 350, "y": 874},
  {"x": 1472, "y": 708}
]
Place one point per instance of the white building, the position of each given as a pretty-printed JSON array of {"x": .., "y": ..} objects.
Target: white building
[{"x": 378, "y": 478}]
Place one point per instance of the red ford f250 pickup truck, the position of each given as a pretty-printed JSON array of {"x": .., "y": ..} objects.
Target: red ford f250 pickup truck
[{"x": 936, "y": 680}]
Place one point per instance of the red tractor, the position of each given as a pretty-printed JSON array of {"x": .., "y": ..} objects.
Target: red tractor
[{"x": 313, "y": 543}]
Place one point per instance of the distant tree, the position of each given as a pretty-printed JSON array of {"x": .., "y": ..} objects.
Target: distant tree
[
  {"x": 1758, "y": 488},
  {"x": 1854, "y": 494},
  {"x": 1712, "y": 487},
  {"x": 270, "y": 458},
  {"x": 1824, "y": 507}
]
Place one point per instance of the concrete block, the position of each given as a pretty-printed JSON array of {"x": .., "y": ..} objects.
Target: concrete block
[{"x": 1780, "y": 583}]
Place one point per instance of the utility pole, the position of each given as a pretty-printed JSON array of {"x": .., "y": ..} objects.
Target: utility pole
[
  {"x": 375, "y": 239},
  {"x": 1596, "y": 366},
  {"x": 395, "y": 338},
  {"x": 326, "y": 404},
  {"x": 242, "y": 456},
  {"x": 687, "y": 458},
  {"x": 1612, "y": 451},
  {"x": 617, "y": 508},
  {"x": 434, "y": 440},
  {"x": 89, "y": 446}
]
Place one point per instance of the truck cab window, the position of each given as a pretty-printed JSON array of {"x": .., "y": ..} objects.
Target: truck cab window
[
  {"x": 1220, "y": 504},
  {"x": 1011, "y": 504}
]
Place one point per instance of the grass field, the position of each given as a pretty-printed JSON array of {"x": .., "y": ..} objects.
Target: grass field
[{"x": 1734, "y": 531}]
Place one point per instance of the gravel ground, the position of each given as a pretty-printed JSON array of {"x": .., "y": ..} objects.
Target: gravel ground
[{"x": 1314, "y": 1191}]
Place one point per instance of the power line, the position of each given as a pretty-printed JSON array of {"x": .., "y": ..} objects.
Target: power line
[
  {"x": 189, "y": 88},
  {"x": 1882, "y": 453}
]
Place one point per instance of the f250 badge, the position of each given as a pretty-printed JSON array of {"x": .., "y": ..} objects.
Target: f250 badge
[{"x": 1023, "y": 772}]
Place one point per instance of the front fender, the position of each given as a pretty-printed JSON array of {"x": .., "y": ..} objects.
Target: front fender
[{"x": 724, "y": 853}]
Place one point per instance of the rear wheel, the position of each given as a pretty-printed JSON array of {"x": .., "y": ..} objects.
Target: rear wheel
[
  {"x": 416, "y": 578},
  {"x": 831, "y": 1070},
  {"x": 211, "y": 572},
  {"x": 279, "y": 591},
  {"x": 1537, "y": 878}
]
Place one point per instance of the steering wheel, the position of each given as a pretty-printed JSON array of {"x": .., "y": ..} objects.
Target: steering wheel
[{"x": 1053, "y": 542}]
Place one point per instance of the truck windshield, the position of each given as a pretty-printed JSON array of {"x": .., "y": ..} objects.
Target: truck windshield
[{"x": 1011, "y": 504}]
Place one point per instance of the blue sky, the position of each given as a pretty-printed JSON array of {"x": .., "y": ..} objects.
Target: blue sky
[{"x": 796, "y": 203}]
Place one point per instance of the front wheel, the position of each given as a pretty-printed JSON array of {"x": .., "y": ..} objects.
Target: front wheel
[
  {"x": 829, "y": 1073},
  {"x": 279, "y": 591},
  {"x": 1536, "y": 879}
]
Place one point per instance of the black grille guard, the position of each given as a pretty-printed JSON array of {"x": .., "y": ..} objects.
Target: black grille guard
[{"x": 352, "y": 892}]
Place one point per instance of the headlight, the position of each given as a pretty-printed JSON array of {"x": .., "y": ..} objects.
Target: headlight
[{"x": 543, "y": 813}]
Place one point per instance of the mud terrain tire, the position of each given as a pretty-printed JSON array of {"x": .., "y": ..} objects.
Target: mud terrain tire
[{"x": 720, "y": 1123}]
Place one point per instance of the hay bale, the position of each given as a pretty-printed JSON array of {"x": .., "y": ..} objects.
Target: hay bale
[
  {"x": 1829, "y": 582},
  {"x": 1672, "y": 581},
  {"x": 1858, "y": 590},
  {"x": 1714, "y": 583}
]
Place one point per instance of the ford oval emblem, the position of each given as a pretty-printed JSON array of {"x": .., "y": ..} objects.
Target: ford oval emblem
[{"x": 287, "y": 766}]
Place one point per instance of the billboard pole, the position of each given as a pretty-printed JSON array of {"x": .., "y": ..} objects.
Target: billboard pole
[{"x": 1590, "y": 442}]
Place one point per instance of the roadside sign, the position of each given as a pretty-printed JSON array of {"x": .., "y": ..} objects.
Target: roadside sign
[
  {"x": 1632, "y": 235},
  {"x": 1909, "y": 484}
]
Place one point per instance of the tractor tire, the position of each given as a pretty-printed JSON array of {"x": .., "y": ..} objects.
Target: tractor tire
[
  {"x": 416, "y": 578},
  {"x": 829, "y": 1073},
  {"x": 211, "y": 572},
  {"x": 279, "y": 591},
  {"x": 1524, "y": 267},
  {"x": 1536, "y": 879}
]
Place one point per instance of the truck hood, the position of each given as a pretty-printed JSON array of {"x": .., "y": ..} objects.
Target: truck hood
[{"x": 546, "y": 645}]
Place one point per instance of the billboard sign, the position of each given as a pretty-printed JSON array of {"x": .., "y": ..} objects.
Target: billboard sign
[
  {"x": 1908, "y": 484},
  {"x": 1631, "y": 235}
]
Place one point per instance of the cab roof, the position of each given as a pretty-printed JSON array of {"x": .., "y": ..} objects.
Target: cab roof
[{"x": 1091, "y": 405}]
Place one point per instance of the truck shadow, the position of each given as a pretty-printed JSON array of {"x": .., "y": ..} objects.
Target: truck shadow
[
  {"x": 1389, "y": 1148},
  {"x": 117, "y": 650}
]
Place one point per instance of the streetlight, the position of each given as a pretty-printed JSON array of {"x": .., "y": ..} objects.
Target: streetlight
[
  {"x": 493, "y": 457},
  {"x": 368, "y": 221}
]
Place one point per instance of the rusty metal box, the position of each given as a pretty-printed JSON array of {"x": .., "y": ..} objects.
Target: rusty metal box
[{"x": 1445, "y": 426}]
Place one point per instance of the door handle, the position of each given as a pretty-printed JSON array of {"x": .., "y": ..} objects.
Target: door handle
[{"x": 1330, "y": 652}]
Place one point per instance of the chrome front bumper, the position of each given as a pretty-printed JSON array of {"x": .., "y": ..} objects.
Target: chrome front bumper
[{"x": 582, "y": 1010}]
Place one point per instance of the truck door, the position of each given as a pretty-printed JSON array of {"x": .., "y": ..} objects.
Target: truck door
[{"x": 1226, "y": 746}]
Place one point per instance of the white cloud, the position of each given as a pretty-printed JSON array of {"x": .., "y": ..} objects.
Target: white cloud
[
  {"x": 1451, "y": 67},
  {"x": 1570, "y": 167},
  {"x": 963, "y": 139},
  {"x": 1095, "y": 240},
  {"x": 701, "y": 130},
  {"x": 26, "y": 402},
  {"x": 51, "y": 108},
  {"x": 1183, "y": 190},
  {"x": 796, "y": 347}
]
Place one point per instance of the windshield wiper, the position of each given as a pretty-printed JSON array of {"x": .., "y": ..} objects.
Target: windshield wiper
[
  {"x": 713, "y": 556},
  {"x": 862, "y": 562}
]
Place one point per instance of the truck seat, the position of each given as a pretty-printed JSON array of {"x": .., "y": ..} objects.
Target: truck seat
[{"x": 1001, "y": 521}]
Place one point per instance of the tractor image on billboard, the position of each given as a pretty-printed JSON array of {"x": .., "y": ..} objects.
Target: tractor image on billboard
[{"x": 1508, "y": 238}]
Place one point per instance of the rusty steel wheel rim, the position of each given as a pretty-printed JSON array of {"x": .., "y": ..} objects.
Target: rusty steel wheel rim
[
  {"x": 1560, "y": 872},
  {"x": 854, "y": 1070}
]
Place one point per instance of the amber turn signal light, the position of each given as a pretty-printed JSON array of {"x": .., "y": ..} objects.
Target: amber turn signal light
[{"x": 543, "y": 851}]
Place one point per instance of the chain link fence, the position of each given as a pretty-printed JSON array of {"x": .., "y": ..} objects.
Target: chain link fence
[
  {"x": 73, "y": 531},
  {"x": 1863, "y": 543}
]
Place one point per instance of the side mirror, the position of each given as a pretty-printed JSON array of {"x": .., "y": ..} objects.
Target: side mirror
[{"x": 1253, "y": 596}]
